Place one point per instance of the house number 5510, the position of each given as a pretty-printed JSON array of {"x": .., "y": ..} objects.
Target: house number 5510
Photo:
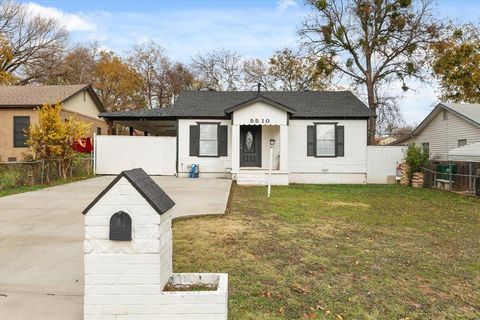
[{"x": 257, "y": 120}]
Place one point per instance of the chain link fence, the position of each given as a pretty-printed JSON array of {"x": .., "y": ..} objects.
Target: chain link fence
[
  {"x": 460, "y": 177},
  {"x": 28, "y": 173}
]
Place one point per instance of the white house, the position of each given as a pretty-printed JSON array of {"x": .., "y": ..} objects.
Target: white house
[
  {"x": 320, "y": 137},
  {"x": 448, "y": 126}
]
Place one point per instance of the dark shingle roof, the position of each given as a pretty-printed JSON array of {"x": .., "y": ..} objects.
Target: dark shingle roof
[
  {"x": 307, "y": 104},
  {"x": 145, "y": 185}
]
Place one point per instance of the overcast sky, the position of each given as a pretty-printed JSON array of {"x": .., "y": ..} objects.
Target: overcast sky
[{"x": 185, "y": 28}]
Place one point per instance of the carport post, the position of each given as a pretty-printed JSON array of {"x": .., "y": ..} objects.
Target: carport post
[{"x": 110, "y": 127}]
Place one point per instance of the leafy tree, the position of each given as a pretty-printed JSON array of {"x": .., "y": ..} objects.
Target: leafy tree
[
  {"x": 52, "y": 139},
  {"x": 117, "y": 84},
  {"x": 373, "y": 42},
  {"x": 291, "y": 71},
  {"x": 31, "y": 40},
  {"x": 180, "y": 78},
  {"x": 6, "y": 56},
  {"x": 457, "y": 65},
  {"x": 75, "y": 66}
]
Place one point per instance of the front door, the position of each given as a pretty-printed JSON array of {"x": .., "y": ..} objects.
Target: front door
[{"x": 250, "y": 146}]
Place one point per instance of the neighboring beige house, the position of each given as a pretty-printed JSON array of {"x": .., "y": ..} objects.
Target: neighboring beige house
[
  {"x": 448, "y": 126},
  {"x": 17, "y": 112}
]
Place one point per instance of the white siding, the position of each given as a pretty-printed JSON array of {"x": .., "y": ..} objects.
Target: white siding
[
  {"x": 443, "y": 135},
  {"x": 260, "y": 113},
  {"x": 155, "y": 155},
  {"x": 351, "y": 168},
  {"x": 207, "y": 164},
  {"x": 382, "y": 162},
  {"x": 270, "y": 132}
]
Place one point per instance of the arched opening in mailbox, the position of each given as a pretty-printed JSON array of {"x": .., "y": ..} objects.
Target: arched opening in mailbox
[{"x": 121, "y": 226}]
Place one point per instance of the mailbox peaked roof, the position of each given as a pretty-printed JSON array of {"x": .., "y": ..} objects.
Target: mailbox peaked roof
[{"x": 145, "y": 185}]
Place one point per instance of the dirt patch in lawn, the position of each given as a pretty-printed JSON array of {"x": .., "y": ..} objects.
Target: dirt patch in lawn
[
  {"x": 348, "y": 204},
  {"x": 344, "y": 252}
]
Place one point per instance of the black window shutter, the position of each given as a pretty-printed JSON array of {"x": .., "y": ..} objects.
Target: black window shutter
[
  {"x": 222, "y": 141},
  {"x": 194, "y": 140},
  {"x": 340, "y": 141},
  {"x": 311, "y": 141}
]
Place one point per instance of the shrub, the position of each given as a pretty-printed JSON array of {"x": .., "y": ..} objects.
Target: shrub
[
  {"x": 8, "y": 179},
  {"x": 415, "y": 157}
]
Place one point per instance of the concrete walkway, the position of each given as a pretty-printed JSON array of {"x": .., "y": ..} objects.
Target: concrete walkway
[{"x": 41, "y": 249}]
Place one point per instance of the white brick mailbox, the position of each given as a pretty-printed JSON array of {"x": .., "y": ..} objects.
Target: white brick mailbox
[{"x": 128, "y": 259}]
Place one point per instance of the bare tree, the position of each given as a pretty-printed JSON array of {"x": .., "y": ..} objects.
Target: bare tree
[
  {"x": 150, "y": 61},
  {"x": 372, "y": 41},
  {"x": 389, "y": 116},
  {"x": 162, "y": 80},
  {"x": 220, "y": 70},
  {"x": 31, "y": 39},
  {"x": 256, "y": 72}
]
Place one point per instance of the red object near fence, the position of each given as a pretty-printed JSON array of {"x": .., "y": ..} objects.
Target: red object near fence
[{"x": 83, "y": 145}]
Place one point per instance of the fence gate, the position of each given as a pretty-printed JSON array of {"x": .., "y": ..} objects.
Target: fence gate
[
  {"x": 155, "y": 155},
  {"x": 382, "y": 162}
]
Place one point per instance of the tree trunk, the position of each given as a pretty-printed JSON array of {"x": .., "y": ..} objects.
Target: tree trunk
[{"x": 372, "y": 123}]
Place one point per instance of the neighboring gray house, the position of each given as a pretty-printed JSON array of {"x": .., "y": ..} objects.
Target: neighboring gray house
[{"x": 448, "y": 126}]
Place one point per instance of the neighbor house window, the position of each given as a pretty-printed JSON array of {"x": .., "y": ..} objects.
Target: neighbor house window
[
  {"x": 99, "y": 131},
  {"x": 426, "y": 148},
  {"x": 462, "y": 142},
  {"x": 325, "y": 143},
  {"x": 208, "y": 140},
  {"x": 20, "y": 124}
]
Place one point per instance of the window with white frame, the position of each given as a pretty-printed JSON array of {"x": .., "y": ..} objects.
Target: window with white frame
[
  {"x": 208, "y": 140},
  {"x": 325, "y": 140}
]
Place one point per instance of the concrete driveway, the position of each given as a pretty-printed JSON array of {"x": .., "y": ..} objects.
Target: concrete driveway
[{"x": 41, "y": 249}]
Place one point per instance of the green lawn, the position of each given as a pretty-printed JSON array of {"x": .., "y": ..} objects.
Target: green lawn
[
  {"x": 21, "y": 189},
  {"x": 340, "y": 252}
]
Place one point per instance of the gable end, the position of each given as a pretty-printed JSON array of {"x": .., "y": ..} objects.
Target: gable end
[
  {"x": 148, "y": 189},
  {"x": 260, "y": 98}
]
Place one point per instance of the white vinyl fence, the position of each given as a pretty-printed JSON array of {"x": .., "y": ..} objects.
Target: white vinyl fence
[
  {"x": 382, "y": 162},
  {"x": 155, "y": 155}
]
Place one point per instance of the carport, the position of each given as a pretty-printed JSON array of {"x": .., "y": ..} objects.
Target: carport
[
  {"x": 155, "y": 122},
  {"x": 155, "y": 151}
]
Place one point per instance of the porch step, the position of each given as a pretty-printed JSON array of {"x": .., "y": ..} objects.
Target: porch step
[{"x": 255, "y": 179}]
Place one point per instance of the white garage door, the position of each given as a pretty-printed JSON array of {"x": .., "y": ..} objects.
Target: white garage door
[{"x": 155, "y": 155}]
